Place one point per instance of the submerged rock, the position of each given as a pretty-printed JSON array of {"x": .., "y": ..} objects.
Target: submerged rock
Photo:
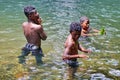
[
  {"x": 24, "y": 78},
  {"x": 115, "y": 72},
  {"x": 33, "y": 69},
  {"x": 113, "y": 62},
  {"x": 99, "y": 76}
]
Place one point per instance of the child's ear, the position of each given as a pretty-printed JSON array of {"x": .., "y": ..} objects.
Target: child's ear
[{"x": 29, "y": 16}]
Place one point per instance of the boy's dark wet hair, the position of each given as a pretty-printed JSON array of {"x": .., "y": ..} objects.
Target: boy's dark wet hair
[
  {"x": 75, "y": 26},
  {"x": 28, "y": 10},
  {"x": 82, "y": 19}
]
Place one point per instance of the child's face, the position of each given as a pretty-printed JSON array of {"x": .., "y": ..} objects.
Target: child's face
[
  {"x": 75, "y": 35},
  {"x": 85, "y": 25},
  {"x": 35, "y": 15}
]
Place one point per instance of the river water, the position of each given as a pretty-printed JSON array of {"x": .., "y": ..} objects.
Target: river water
[{"x": 57, "y": 16}]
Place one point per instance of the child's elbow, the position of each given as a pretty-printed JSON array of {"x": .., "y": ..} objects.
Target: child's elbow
[
  {"x": 65, "y": 57},
  {"x": 44, "y": 38}
]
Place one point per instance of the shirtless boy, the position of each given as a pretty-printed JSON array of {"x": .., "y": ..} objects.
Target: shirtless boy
[
  {"x": 84, "y": 23},
  {"x": 72, "y": 46},
  {"x": 33, "y": 32}
]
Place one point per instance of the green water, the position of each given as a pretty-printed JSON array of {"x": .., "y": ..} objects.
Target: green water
[{"x": 57, "y": 16}]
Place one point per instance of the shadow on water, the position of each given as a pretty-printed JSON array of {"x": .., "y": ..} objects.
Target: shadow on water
[{"x": 104, "y": 62}]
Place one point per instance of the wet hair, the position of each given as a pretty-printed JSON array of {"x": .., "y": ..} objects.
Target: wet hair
[
  {"x": 82, "y": 19},
  {"x": 75, "y": 26},
  {"x": 28, "y": 10}
]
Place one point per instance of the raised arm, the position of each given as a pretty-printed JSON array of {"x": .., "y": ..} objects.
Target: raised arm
[{"x": 42, "y": 33}]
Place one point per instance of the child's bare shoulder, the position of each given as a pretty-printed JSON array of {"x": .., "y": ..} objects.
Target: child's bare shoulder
[
  {"x": 70, "y": 43},
  {"x": 38, "y": 26},
  {"x": 24, "y": 23}
]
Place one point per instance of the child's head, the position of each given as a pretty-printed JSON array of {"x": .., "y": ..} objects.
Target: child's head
[
  {"x": 74, "y": 26},
  {"x": 28, "y": 10},
  {"x": 32, "y": 14},
  {"x": 84, "y": 22},
  {"x": 75, "y": 30}
]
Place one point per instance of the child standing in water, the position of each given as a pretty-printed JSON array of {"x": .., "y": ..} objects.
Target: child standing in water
[
  {"x": 33, "y": 32},
  {"x": 72, "y": 46},
  {"x": 86, "y": 29}
]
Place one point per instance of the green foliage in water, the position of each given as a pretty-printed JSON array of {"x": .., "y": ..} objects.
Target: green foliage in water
[{"x": 102, "y": 31}]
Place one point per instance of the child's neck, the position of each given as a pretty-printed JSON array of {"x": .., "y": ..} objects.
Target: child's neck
[
  {"x": 30, "y": 21},
  {"x": 85, "y": 31}
]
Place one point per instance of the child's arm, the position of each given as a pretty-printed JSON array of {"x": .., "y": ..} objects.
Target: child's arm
[
  {"x": 83, "y": 49},
  {"x": 89, "y": 34},
  {"x": 66, "y": 54},
  {"x": 42, "y": 33},
  {"x": 95, "y": 30},
  {"x": 99, "y": 32}
]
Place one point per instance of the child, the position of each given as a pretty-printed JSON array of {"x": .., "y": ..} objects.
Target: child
[
  {"x": 84, "y": 23},
  {"x": 33, "y": 32},
  {"x": 72, "y": 46}
]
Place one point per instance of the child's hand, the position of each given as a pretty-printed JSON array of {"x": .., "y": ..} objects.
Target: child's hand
[
  {"x": 89, "y": 51},
  {"x": 38, "y": 20}
]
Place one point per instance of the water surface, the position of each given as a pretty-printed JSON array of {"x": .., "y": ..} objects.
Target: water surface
[{"x": 57, "y": 16}]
